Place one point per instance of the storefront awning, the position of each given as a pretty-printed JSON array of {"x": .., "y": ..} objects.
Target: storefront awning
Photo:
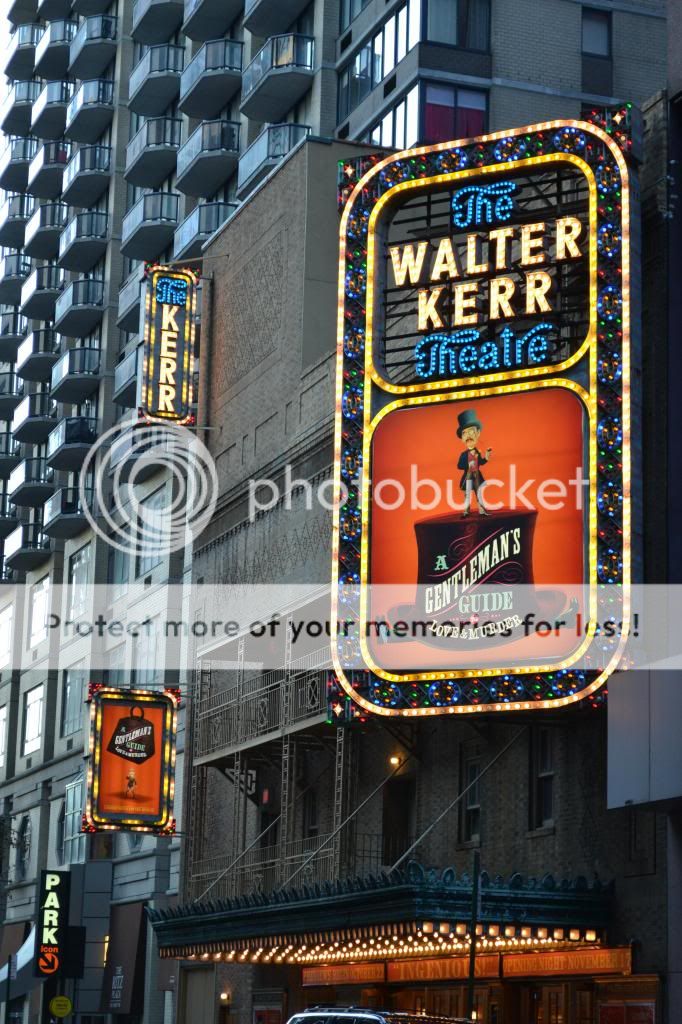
[{"x": 414, "y": 911}]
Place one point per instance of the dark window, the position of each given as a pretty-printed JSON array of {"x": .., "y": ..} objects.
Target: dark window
[
  {"x": 464, "y": 23},
  {"x": 451, "y": 113},
  {"x": 397, "y": 818},
  {"x": 73, "y": 696},
  {"x": 471, "y": 813},
  {"x": 596, "y": 32},
  {"x": 152, "y": 527},
  {"x": 350, "y": 9},
  {"x": 542, "y": 778},
  {"x": 311, "y": 822}
]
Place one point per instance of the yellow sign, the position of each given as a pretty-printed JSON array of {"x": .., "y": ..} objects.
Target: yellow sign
[
  {"x": 61, "y": 1006},
  {"x": 170, "y": 312}
]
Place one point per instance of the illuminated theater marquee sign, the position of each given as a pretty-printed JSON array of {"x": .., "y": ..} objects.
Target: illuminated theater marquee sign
[
  {"x": 484, "y": 343},
  {"x": 170, "y": 314}
]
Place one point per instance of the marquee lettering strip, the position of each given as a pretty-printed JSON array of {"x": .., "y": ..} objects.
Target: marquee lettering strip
[{"x": 610, "y": 395}]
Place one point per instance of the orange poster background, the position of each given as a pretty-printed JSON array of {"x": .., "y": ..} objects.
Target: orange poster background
[
  {"x": 541, "y": 434},
  {"x": 114, "y": 769}
]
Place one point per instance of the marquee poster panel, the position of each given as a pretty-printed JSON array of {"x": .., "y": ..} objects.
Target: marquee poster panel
[
  {"x": 131, "y": 773},
  {"x": 481, "y": 539}
]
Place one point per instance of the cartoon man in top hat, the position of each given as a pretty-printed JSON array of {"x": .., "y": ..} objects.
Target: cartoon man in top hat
[{"x": 471, "y": 460}]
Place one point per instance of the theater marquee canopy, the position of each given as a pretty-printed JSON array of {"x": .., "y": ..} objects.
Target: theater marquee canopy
[{"x": 483, "y": 420}]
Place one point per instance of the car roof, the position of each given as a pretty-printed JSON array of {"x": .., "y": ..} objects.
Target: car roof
[{"x": 398, "y": 1016}]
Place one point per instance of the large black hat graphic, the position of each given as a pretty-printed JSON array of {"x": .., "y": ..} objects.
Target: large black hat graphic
[
  {"x": 133, "y": 737},
  {"x": 468, "y": 418}
]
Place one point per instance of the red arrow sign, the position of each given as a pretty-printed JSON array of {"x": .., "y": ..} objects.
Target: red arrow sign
[{"x": 48, "y": 963}]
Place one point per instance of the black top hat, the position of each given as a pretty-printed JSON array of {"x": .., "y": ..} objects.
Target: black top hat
[{"x": 468, "y": 418}]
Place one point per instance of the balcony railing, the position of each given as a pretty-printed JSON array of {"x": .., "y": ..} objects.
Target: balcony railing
[
  {"x": 14, "y": 163},
  {"x": 125, "y": 380},
  {"x": 13, "y": 328},
  {"x": 48, "y": 117},
  {"x": 199, "y": 226},
  {"x": 87, "y": 175},
  {"x": 221, "y": 60},
  {"x": 33, "y": 418},
  {"x": 94, "y": 99},
  {"x": 287, "y": 51},
  {"x": 154, "y": 21},
  {"x": 26, "y": 547},
  {"x": 39, "y": 294},
  {"x": 84, "y": 240},
  {"x": 46, "y": 172},
  {"x": 20, "y": 53},
  {"x": 253, "y": 708},
  {"x": 265, "y": 17},
  {"x": 77, "y": 362},
  {"x": 64, "y": 513},
  {"x": 93, "y": 46},
  {"x": 158, "y": 212},
  {"x": 43, "y": 229},
  {"x": 155, "y": 79},
  {"x": 213, "y": 140},
  {"x": 15, "y": 112},
  {"x": 11, "y": 391},
  {"x": 151, "y": 153},
  {"x": 68, "y": 443},
  {"x": 37, "y": 355},
  {"x": 14, "y": 269},
  {"x": 14, "y": 213},
  {"x": 271, "y": 146},
  {"x": 209, "y": 19},
  {"x": 52, "y": 52},
  {"x": 79, "y": 308},
  {"x": 129, "y": 302}
]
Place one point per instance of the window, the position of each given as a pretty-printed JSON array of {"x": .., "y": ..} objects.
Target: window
[
  {"x": 33, "y": 719},
  {"x": 79, "y": 571},
  {"x": 23, "y": 854},
  {"x": 74, "y": 839},
  {"x": 72, "y": 699},
  {"x": 152, "y": 521},
  {"x": 542, "y": 778},
  {"x": 471, "y": 813},
  {"x": 596, "y": 32},
  {"x": 115, "y": 674},
  {"x": 6, "y": 621},
  {"x": 464, "y": 23},
  {"x": 399, "y": 128},
  {"x": 378, "y": 57},
  {"x": 40, "y": 600},
  {"x": 349, "y": 10},
  {"x": 146, "y": 657},
  {"x": 117, "y": 572},
  {"x": 3, "y": 735},
  {"x": 59, "y": 840},
  {"x": 451, "y": 113}
]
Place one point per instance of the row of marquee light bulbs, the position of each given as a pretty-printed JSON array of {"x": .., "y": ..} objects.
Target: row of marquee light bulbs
[{"x": 433, "y": 938}]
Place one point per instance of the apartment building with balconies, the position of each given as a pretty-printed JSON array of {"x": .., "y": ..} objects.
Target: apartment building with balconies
[{"x": 134, "y": 131}]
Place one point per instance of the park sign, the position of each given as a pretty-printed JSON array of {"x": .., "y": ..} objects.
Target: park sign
[
  {"x": 169, "y": 332},
  {"x": 482, "y": 454},
  {"x": 52, "y": 924}
]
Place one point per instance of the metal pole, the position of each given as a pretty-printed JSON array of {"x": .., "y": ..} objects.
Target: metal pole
[{"x": 476, "y": 881}]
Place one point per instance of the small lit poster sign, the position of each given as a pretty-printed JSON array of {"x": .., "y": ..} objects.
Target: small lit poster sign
[
  {"x": 482, "y": 460},
  {"x": 169, "y": 328},
  {"x": 52, "y": 923},
  {"x": 131, "y": 774}
]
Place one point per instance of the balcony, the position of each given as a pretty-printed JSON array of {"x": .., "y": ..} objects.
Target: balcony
[
  {"x": 46, "y": 172},
  {"x": 64, "y": 514},
  {"x": 125, "y": 381},
  {"x": 9, "y": 454},
  {"x": 71, "y": 440},
  {"x": 278, "y": 77},
  {"x": 14, "y": 269},
  {"x": 21, "y": 51},
  {"x": 149, "y": 226},
  {"x": 265, "y": 17},
  {"x": 11, "y": 393},
  {"x": 154, "y": 21},
  {"x": 34, "y": 418},
  {"x": 79, "y": 309},
  {"x": 48, "y": 118},
  {"x": 52, "y": 52},
  {"x": 14, "y": 164},
  {"x": 50, "y": 10},
  {"x": 8, "y": 515},
  {"x": 87, "y": 175},
  {"x": 93, "y": 47},
  {"x": 31, "y": 483},
  {"x": 84, "y": 240},
  {"x": 208, "y": 158},
  {"x": 209, "y": 19},
  {"x": 39, "y": 294},
  {"x": 90, "y": 111},
  {"x": 211, "y": 78},
  {"x": 27, "y": 547},
  {"x": 14, "y": 214},
  {"x": 13, "y": 328},
  {"x": 155, "y": 80},
  {"x": 87, "y": 7},
  {"x": 21, "y": 11},
  {"x": 152, "y": 152},
  {"x": 15, "y": 112},
  {"x": 43, "y": 230},
  {"x": 271, "y": 146},
  {"x": 37, "y": 355},
  {"x": 76, "y": 375},
  {"x": 198, "y": 227},
  {"x": 130, "y": 303}
]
